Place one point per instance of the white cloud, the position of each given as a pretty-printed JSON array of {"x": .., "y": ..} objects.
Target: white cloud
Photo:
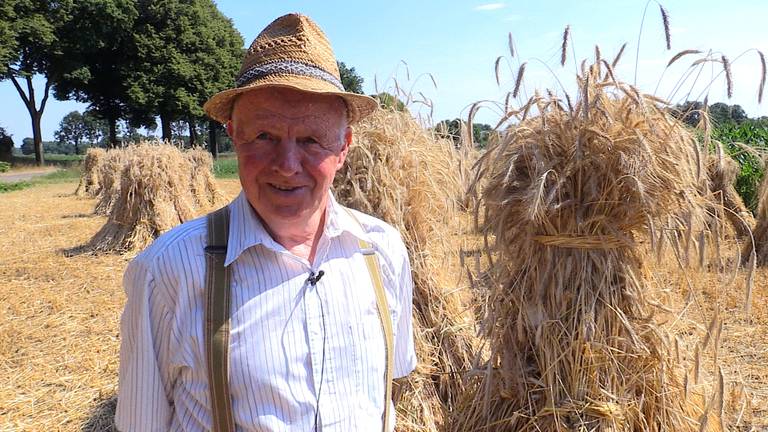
[
  {"x": 513, "y": 18},
  {"x": 489, "y": 6}
]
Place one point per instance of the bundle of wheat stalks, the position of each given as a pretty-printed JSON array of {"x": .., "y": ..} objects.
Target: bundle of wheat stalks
[
  {"x": 146, "y": 190},
  {"x": 109, "y": 169},
  {"x": 90, "y": 182},
  {"x": 573, "y": 339},
  {"x": 402, "y": 174},
  {"x": 761, "y": 229},
  {"x": 722, "y": 171}
]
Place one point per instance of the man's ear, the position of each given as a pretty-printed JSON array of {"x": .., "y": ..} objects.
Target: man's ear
[
  {"x": 230, "y": 129},
  {"x": 345, "y": 148}
]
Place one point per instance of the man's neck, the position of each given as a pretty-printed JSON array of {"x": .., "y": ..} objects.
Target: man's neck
[{"x": 300, "y": 239}]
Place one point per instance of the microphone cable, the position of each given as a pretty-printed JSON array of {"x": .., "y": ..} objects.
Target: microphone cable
[{"x": 313, "y": 280}]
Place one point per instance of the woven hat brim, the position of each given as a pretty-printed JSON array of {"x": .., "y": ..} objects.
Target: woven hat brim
[{"x": 219, "y": 106}]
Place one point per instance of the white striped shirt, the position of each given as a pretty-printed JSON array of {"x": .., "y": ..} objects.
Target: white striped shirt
[{"x": 294, "y": 348}]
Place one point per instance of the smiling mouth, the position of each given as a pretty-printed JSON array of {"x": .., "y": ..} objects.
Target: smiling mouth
[{"x": 284, "y": 188}]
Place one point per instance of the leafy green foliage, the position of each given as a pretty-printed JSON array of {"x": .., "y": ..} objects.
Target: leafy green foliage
[
  {"x": 351, "y": 81},
  {"x": 67, "y": 175},
  {"x": 752, "y": 133},
  {"x": 451, "y": 129},
  {"x": 15, "y": 186},
  {"x": 55, "y": 150},
  {"x": 31, "y": 46},
  {"x": 76, "y": 129},
  {"x": 6, "y": 146},
  {"x": 96, "y": 38},
  {"x": 4, "y": 167},
  {"x": 225, "y": 167},
  {"x": 8, "y": 44},
  {"x": 184, "y": 52},
  {"x": 720, "y": 114},
  {"x": 389, "y": 101}
]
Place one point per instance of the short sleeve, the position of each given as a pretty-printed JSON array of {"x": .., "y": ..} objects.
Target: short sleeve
[{"x": 145, "y": 385}]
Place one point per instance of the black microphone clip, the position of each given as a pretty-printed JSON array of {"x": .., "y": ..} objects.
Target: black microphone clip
[{"x": 315, "y": 278}]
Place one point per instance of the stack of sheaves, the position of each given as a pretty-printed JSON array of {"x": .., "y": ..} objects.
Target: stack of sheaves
[
  {"x": 402, "y": 174},
  {"x": 574, "y": 340}
]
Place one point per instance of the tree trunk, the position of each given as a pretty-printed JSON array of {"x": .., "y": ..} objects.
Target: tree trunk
[
  {"x": 165, "y": 124},
  {"x": 212, "y": 145},
  {"x": 38, "y": 138},
  {"x": 112, "y": 132},
  {"x": 192, "y": 132},
  {"x": 35, "y": 114}
]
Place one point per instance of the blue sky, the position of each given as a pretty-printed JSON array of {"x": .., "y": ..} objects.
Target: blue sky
[{"x": 457, "y": 42}]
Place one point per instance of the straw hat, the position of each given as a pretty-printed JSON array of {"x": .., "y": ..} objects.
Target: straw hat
[{"x": 291, "y": 52}]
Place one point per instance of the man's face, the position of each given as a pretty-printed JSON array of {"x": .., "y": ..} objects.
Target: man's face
[{"x": 289, "y": 145}]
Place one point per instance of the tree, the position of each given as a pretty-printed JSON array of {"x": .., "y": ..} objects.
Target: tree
[
  {"x": 32, "y": 48},
  {"x": 27, "y": 146},
  {"x": 8, "y": 42},
  {"x": 389, "y": 101},
  {"x": 453, "y": 129},
  {"x": 183, "y": 52},
  {"x": 351, "y": 81},
  {"x": 6, "y": 146},
  {"x": 721, "y": 113},
  {"x": 96, "y": 40},
  {"x": 688, "y": 112},
  {"x": 481, "y": 134},
  {"x": 76, "y": 128},
  {"x": 449, "y": 129}
]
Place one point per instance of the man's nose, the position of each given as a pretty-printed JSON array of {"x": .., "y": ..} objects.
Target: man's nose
[{"x": 287, "y": 160}]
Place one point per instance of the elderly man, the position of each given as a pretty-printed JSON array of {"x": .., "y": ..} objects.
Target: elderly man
[{"x": 284, "y": 311}]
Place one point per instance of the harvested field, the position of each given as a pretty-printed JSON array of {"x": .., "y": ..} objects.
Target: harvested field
[
  {"x": 59, "y": 318},
  {"x": 59, "y": 315}
]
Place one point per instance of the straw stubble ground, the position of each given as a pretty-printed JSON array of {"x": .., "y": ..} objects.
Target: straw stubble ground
[
  {"x": 59, "y": 319},
  {"x": 59, "y": 315}
]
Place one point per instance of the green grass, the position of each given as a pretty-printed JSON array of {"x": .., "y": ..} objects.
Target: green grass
[
  {"x": 59, "y": 160},
  {"x": 11, "y": 187},
  {"x": 225, "y": 167},
  {"x": 60, "y": 176},
  {"x": 67, "y": 175}
]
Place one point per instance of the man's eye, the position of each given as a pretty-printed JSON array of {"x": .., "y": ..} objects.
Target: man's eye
[
  {"x": 309, "y": 140},
  {"x": 264, "y": 136}
]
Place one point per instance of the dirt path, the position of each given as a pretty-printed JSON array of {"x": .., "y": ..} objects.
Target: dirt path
[{"x": 21, "y": 175}]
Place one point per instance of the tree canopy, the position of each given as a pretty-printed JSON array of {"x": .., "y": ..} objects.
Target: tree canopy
[
  {"x": 719, "y": 113},
  {"x": 390, "y": 101},
  {"x": 351, "y": 81},
  {"x": 29, "y": 45},
  {"x": 77, "y": 129},
  {"x": 94, "y": 71},
  {"x": 452, "y": 129},
  {"x": 131, "y": 61},
  {"x": 184, "y": 51}
]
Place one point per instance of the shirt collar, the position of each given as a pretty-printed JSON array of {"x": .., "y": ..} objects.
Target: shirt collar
[{"x": 246, "y": 229}]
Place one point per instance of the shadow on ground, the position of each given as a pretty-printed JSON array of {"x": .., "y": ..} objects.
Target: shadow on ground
[
  {"x": 84, "y": 249},
  {"x": 79, "y": 216},
  {"x": 102, "y": 417}
]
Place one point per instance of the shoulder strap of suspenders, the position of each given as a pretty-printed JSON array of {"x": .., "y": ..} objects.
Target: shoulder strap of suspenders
[
  {"x": 372, "y": 262},
  {"x": 217, "y": 305}
]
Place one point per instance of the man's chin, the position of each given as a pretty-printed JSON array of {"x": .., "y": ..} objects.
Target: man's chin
[{"x": 284, "y": 214}]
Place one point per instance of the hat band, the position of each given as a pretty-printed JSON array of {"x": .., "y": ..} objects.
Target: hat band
[{"x": 288, "y": 67}]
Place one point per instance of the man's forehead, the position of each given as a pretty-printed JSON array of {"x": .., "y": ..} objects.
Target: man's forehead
[
  {"x": 301, "y": 117},
  {"x": 288, "y": 104}
]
